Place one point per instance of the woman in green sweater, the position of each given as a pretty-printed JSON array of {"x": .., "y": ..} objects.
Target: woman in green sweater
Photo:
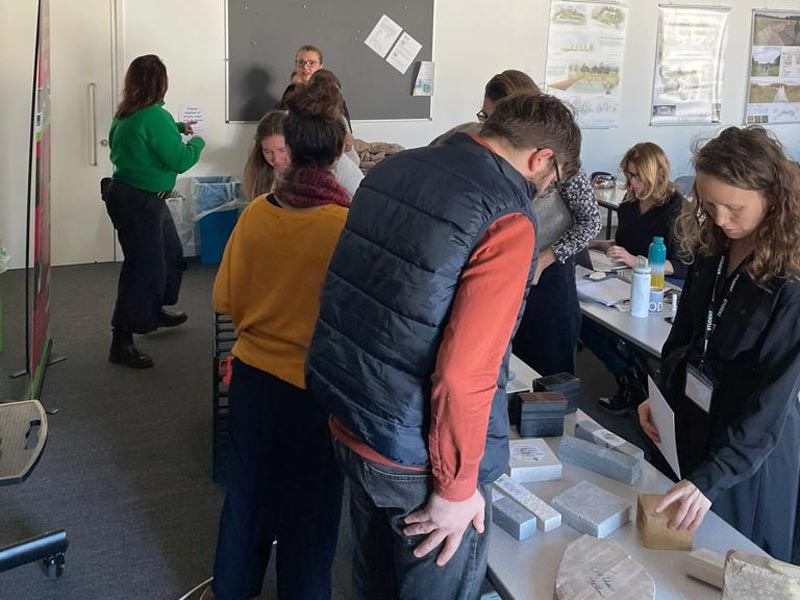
[{"x": 147, "y": 152}]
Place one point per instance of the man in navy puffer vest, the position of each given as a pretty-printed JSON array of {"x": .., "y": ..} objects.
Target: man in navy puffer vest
[{"x": 410, "y": 353}]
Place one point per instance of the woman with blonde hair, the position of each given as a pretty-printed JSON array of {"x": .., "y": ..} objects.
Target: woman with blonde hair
[
  {"x": 650, "y": 208},
  {"x": 268, "y": 158},
  {"x": 731, "y": 364}
]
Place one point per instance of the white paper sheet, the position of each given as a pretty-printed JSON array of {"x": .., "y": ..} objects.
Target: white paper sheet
[
  {"x": 404, "y": 53},
  {"x": 383, "y": 35},
  {"x": 423, "y": 86},
  {"x": 611, "y": 291},
  {"x": 193, "y": 112},
  {"x": 664, "y": 420}
]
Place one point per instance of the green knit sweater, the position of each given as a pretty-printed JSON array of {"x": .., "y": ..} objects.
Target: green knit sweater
[{"x": 147, "y": 150}]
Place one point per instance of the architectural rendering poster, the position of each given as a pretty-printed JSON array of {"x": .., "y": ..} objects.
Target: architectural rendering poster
[
  {"x": 687, "y": 86},
  {"x": 773, "y": 93},
  {"x": 585, "y": 51}
]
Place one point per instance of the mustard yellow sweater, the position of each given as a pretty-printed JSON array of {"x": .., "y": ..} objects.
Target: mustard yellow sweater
[{"x": 270, "y": 282}]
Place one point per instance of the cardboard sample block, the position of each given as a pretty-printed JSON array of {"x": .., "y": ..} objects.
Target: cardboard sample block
[
  {"x": 590, "y": 431},
  {"x": 594, "y": 568},
  {"x": 753, "y": 577},
  {"x": 547, "y": 518},
  {"x": 512, "y": 518},
  {"x": 591, "y": 509},
  {"x": 707, "y": 566},
  {"x": 654, "y": 527},
  {"x": 532, "y": 460},
  {"x": 610, "y": 463}
]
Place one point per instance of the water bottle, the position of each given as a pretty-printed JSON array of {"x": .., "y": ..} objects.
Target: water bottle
[
  {"x": 640, "y": 288},
  {"x": 657, "y": 257}
]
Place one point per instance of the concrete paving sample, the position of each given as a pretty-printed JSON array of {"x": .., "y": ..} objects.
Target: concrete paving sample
[
  {"x": 610, "y": 463},
  {"x": 593, "y": 569},
  {"x": 591, "y": 509},
  {"x": 512, "y": 518},
  {"x": 592, "y": 432},
  {"x": 754, "y": 577},
  {"x": 547, "y": 517}
]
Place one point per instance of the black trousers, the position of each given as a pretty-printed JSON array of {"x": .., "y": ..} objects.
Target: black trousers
[
  {"x": 283, "y": 484},
  {"x": 548, "y": 332},
  {"x": 153, "y": 267}
]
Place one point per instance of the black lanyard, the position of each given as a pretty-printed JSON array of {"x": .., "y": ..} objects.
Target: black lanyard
[{"x": 715, "y": 314}]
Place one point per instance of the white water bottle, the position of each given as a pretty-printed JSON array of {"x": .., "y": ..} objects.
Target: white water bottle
[{"x": 640, "y": 288}]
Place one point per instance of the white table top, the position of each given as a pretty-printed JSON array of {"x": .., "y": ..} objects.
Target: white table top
[
  {"x": 610, "y": 198},
  {"x": 527, "y": 570}
]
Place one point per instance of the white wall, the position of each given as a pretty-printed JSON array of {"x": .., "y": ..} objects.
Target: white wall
[{"x": 472, "y": 42}]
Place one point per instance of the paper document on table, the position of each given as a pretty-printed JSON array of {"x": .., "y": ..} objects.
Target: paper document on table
[
  {"x": 664, "y": 419},
  {"x": 404, "y": 53},
  {"x": 609, "y": 291},
  {"x": 383, "y": 35}
]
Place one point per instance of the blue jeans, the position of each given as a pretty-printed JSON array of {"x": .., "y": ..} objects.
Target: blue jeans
[
  {"x": 606, "y": 346},
  {"x": 383, "y": 564},
  {"x": 283, "y": 483}
]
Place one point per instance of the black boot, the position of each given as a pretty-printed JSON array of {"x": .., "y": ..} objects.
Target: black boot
[
  {"x": 123, "y": 352},
  {"x": 630, "y": 393},
  {"x": 168, "y": 318}
]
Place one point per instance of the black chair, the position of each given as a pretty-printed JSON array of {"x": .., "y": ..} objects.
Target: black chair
[{"x": 223, "y": 340}]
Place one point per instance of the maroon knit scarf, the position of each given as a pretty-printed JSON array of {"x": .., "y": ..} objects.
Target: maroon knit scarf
[{"x": 308, "y": 187}]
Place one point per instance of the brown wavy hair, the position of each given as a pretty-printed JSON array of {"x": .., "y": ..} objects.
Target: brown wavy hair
[
  {"x": 145, "y": 84},
  {"x": 509, "y": 82},
  {"x": 654, "y": 172},
  {"x": 751, "y": 159},
  {"x": 259, "y": 176}
]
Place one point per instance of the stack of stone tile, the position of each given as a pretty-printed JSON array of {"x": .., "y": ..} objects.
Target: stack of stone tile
[
  {"x": 541, "y": 414},
  {"x": 566, "y": 383}
]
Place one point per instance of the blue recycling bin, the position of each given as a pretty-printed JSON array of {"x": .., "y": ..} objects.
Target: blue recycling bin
[{"x": 215, "y": 229}]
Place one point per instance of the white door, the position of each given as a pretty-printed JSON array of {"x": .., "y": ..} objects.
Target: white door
[{"x": 82, "y": 58}]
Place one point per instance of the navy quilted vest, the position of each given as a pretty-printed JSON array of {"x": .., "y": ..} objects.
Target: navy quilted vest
[{"x": 413, "y": 225}]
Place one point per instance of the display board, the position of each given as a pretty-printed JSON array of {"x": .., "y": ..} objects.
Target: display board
[
  {"x": 687, "y": 86},
  {"x": 262, "y": 38},
  {"x": 773, "y": 91},
  {"x": 585, "y": 52}
]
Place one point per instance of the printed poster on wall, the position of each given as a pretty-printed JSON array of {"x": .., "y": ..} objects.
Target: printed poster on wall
[
  {"x": 687, "y": 86},
  {"x": 773, "y": 94},
  {"x": 585, "y": 52}
]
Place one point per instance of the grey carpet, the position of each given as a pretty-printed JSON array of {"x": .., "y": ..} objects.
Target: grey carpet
[{"x": 127, "y": 466}]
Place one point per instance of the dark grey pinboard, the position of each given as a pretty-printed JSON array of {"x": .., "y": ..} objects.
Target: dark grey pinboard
[{"x": 263, "y": 35}]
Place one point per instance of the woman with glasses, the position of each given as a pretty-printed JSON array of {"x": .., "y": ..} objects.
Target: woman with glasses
[
  {"x": 651, "y": 205},
  {"x": 568, "y": 218}
]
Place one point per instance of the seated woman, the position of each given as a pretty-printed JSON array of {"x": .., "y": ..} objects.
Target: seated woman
[
  {"x": 284, "y": 482},
  {"x": 651, "y": 206},
  {"x": 268, "y": 158},
  {"x": 568, "y": 218},
  {"x": 734, "y": 389}
]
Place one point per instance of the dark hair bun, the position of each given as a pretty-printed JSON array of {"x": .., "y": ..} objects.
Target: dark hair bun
[{"x": 316, "y": 100}]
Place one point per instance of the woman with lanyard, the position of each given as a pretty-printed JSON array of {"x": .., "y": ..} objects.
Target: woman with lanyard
[
  {"x": 568, "y": 218},
  {"x": 147, "y": 152},
  {"x": 731, "y": 365},
  {"x": 283, "y": 481}
]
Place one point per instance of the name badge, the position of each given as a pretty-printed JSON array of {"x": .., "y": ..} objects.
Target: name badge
[{"x": 699, "y": 388}]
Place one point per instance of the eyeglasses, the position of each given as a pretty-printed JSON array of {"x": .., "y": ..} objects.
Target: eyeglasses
[
  {"x": 308, "y": 63},
  {"x": 482, "y": 116},
  {"x": 629, "y": 175}
]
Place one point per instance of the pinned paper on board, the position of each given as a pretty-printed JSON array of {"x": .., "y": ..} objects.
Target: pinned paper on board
[
  {"x": 664, "y": 420},
  {"x": 404, "y": 53},
  {"x": 192, "y": 113},
  {"x": 423, "y": 86},
  {"x": 383, "y": 35}
]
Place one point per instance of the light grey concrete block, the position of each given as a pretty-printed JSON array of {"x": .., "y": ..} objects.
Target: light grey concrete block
[
  {"x": 591, "y": 509},
  {"x": 707, "y": 566},
  {"x": 531, "y": 460},
  {"x": 512, "y": 518},
  {"x": 592, "y": 432},
  {"x": 547, "y": 518},
  {"x": 610, "y": 463},
  {"x": 594, "y": 569},
  {"x": 753, "y": 577}
]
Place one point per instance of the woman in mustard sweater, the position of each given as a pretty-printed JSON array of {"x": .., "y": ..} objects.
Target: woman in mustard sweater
[
  {"x": 147, "y": 153},
  {"x": 283, "y": 482}
]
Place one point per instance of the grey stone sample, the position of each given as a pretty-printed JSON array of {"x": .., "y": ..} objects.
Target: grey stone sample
[
  {"x": 532, "y": 460},
  {"x": 594, "y": 569},
  {"x": 592, "y": 432},
  {"x": 546, "y": 516},
  {"x": 591, "y": 509},
  {"x": 610, "y": 463},
  {"x": 753, "y": 577},
  {"x": 707, "y": 566},
  {"x": 512, "y": 518}
]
